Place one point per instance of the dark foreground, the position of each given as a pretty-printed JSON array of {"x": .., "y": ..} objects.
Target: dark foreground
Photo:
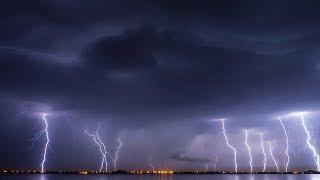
[{"x": 161, "y": 177}]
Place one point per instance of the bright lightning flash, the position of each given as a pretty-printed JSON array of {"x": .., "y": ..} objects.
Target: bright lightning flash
[
  {"x": 45, "y": 130},
  {"x": 152, "y": 167},
  {"x": 263, "y": 152},
  {"x": 249, "y": 150},
  {"x": 94, "y": 138},
  {"x": 228, "y": 144},
  {"x": 287, "y": 144},
  {"x": 308, "y": 138},
  {"x": 120, "y": 143},
  {"x": 206, "y": 166},
  {"x": 272, "y": 156},
  {"x": 103, "y": 148}
]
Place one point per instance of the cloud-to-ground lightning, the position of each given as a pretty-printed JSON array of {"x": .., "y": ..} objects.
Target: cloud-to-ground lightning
[
  {"x": 263, "y": 152},
  {"x": 151, "y": 165},
  {"x": 215, "y": 162},
  {"x": 115, "y": 159},
  {"x": 310, "y": 145},
  {"x": 229, "y": 145},
  {"x": 94, "y": 138},
  {"x": 308, "y": 138},
  {"x": 45, "y": 130},
  {"x": 249, "y": 150},
  {"x": 272, "y": 156},
  {"x": 206, "y": 166},
  {"x": 104, "y": 150},
  {"x": 287, "y": 144}
]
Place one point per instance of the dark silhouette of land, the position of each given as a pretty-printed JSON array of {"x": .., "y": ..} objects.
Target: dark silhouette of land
[{"x": 85, "y": 172}]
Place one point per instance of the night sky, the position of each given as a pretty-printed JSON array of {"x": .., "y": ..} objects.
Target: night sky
[{"x": 155, "y": 73}]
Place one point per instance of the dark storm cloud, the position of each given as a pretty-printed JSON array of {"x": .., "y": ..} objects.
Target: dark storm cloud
[
  {"x": 172, "y": 61},
  {"x": 143, "y": 63},
  {"x": 133, "y": 50}
]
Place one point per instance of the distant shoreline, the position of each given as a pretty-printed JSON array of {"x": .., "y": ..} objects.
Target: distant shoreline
[{"x": 148, "y": 172}]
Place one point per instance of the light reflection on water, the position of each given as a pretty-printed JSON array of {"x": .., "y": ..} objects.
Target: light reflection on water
[{"x": 160, "y": 177}]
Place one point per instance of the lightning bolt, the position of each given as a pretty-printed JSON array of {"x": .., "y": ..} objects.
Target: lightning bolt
[
  {"x": 104, "y": 152},
  {"x": 94, "y": 138},
  {"x": 308, "y": 141},
  {"x": 152, "y": 167},
  {"x": 120, "y": 143},
  {"x": 215, "y": 162},
  {"x": 308, "y": 138},
  {"x": 249, "y": 150},
  {"x": 45, "y": 130},
  {"x": 272, "y": 156},
  {"x": 287, "y": 144},
  {"x": 263, "y": 152},
  {"x": 231, "y": 147},
  {"x": 206, "y": 166}
]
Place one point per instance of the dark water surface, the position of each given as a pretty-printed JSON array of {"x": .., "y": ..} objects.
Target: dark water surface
[{"x": 160, "y": 177}]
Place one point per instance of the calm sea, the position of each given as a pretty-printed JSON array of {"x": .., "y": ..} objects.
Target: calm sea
[{"x": 160, "y": 177}]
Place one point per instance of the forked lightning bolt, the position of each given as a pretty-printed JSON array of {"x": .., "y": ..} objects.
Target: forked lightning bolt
[
  {"x": 94, "y": 138},
  {"x": 104, "y": 150},
  {"x": 310, "y": 145},
  {"x": 228, "y": 144},
  {"x": 249, "y": 150},
  {"x": 152, "y": 167},
  {"x": 206, "y": 166},
  {"x": 45, "y": 130},
  {"x": 120, "y": 143},
  {"x": 272, "y": 156},
  {"x": 263, "y": 152},
  {"x": 308, "y": 141},
  {"x": 287, "y": 144}
]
